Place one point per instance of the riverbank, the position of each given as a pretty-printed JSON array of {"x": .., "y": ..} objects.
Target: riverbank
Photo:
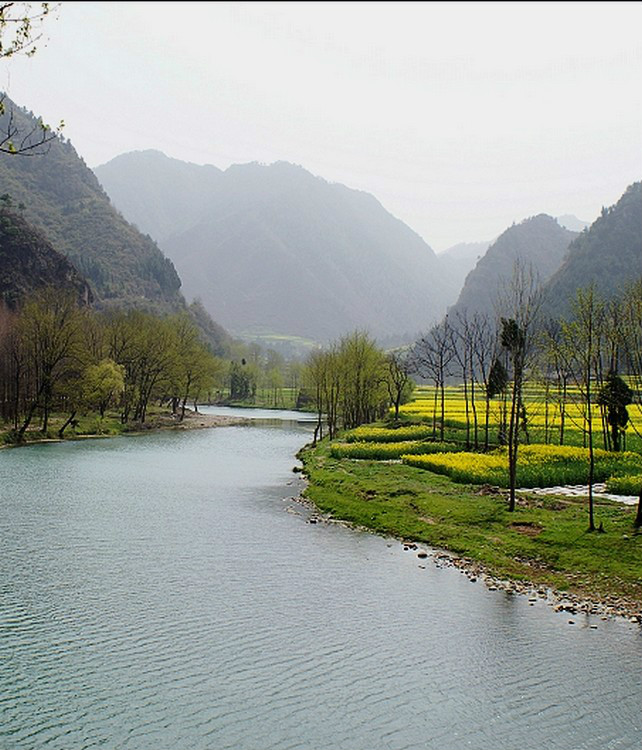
[
  {"x": 91, "y": 426},
  {"x": 542, "y": 550}
]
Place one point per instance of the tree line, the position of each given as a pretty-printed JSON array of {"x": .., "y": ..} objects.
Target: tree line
[
  {"x": 352, "y": 381},
  {"x": 57, "y": 356}
]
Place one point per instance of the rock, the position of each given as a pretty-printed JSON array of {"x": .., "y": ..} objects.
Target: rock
[{"x": 422, "y": 554}]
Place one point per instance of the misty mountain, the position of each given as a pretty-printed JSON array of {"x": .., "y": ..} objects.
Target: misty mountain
[
  {"x": 608, "y": 254},
  {"x": 457, "y": 261},
  {"x": 538, "y": 243},
  {"x": 568, "y": 221},
  {"x": 159, "y": 195},
  {"x": 278, "y": 250},
  {"x": 62, "y": 198},
  {"x": 28, "y": 263}
]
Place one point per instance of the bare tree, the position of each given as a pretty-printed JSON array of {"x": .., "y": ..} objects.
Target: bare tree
[
  {"x": 432, "y": 356},
  {"x": 20, "y": 31},
  {"x": 397, "y": 377},
  {"x": 520, "y": 304}
]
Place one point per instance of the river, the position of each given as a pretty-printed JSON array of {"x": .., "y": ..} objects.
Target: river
[{"x": 165, "y": 591}]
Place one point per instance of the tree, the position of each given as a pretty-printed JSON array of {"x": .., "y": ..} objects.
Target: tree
[
  {"x": 50, "y": 327},
  {"x": 522, "y": 302},
  {"x": 103, "y": 384},
  {"x": 20, "y": 25},
  {"x": 397, "y": 378},
  {"x": 20, "y": 30},
  {"x": 579, "y": 352},
  {"x": 432, "y": 355},
  {"x": 615, "y": 395}
]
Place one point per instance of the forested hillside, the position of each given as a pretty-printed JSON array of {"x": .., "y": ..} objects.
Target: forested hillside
[
  {"x": 61, "y": 196},
  {"x": 608, "y": 254},
  {"x": 278, "y": 250},
  {"x": 28, "y": 263},
  {"x": 538, "y": 243}
]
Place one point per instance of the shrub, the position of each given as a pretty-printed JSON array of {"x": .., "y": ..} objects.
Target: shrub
[{"x": 387, "y": 451}]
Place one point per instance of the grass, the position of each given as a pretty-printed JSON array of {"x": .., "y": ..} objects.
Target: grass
[
  {"x": 545, "y": 540},
  {"x": 631, "y": 485}
]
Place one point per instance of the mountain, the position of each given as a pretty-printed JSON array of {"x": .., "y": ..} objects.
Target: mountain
[
  {"x": 159, "y": 195},
  {"x": 457, "y": 261},
  {"x": 568, "y": 221},
  {"x": 538, "y": 243},
  {"x": 278, "y": 250},
  {"x": 62, "y": 197},
  {"x": 28, "y": 263},
  {"x": 608, "y": 254}
]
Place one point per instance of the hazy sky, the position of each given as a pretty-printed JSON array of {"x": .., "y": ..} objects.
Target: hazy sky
[{"x": 459, "y": 117}]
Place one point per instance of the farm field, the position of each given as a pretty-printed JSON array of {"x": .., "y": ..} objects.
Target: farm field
[{"x": 549, "y": 418}]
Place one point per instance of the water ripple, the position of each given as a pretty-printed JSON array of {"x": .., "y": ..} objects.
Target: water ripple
[{"x": 154, "y": 593}]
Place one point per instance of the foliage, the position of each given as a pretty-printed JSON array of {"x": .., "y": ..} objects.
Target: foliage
[
  {"x": 388, "y": 451},
  {"x": 627, "y": 485},
  {"x": 387, "y": 435},
  {"x": 352, "y": 382},
  {"x": 539, "y": 466}
]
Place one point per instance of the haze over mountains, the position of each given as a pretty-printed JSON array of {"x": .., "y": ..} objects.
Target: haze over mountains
[
  {"x": 276, "y": 249},
  {"x": 539, "y": 244}
]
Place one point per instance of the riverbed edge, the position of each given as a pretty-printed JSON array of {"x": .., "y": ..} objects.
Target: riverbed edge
[
  {"x": 160, "y": 423},
  {"x": 571, "y": 602}
]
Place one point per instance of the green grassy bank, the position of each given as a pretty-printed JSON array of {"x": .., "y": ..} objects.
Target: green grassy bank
[{"x": 544, "y": 541}]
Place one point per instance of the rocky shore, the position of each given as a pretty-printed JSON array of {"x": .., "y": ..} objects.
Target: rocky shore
[{"x": 573, "y": 604}]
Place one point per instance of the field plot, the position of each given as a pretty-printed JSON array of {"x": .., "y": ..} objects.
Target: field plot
[{"x": 468, "y": 447}]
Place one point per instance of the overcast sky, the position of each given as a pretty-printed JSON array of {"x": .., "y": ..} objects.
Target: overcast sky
[{"x": 459, "y": 117}]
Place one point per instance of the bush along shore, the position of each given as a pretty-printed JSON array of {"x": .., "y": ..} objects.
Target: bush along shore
[{"x": 542, "y": 549}]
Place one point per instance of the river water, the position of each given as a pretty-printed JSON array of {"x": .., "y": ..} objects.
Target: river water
[{"x": 163, "y": 591}]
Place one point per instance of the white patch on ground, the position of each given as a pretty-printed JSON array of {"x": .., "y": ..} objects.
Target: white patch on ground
[{"x": 581, "y": 490}]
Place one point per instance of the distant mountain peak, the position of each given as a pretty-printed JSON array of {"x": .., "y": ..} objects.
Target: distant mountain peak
[
  {"x": 277, "y": 246},
  {"x": 538, "y": 241}
]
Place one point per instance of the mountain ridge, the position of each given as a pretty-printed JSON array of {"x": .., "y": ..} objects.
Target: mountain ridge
[{"x": 269, "y": 229}]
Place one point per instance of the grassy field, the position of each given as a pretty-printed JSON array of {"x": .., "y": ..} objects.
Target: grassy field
[
  {"x": 545, "y": 540},
  {"x": 450, "y": 497}
]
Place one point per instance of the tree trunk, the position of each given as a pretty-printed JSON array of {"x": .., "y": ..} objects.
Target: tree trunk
[
  {"x": 70, "y": 419},
  {"x": 638, "y": 517}
]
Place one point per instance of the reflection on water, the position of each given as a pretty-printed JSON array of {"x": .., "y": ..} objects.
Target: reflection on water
[{"x": 162, "y": 591}]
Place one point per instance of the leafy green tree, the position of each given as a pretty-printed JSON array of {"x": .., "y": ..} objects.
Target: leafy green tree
[
  {"x": 50, "y": 327},
  {"x": 615, "y": 395},
  {"x": 103, "y": 385}
]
